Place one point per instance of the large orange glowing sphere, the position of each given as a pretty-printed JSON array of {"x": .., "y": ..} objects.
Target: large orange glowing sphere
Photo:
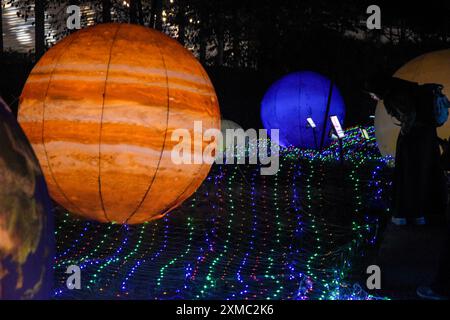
[
  {"x": 433, "y": 67},
  {"x": 99, "y": 109}
]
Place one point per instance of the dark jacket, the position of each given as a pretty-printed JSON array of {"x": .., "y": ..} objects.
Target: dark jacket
[{"x": 410, "y": 103}]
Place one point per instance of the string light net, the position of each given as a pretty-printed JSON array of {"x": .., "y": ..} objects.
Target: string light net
[{"x": 299, "y": 234}]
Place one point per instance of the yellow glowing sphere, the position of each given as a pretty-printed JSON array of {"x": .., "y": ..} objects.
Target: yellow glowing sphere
[{"x": 433, "y": 67}]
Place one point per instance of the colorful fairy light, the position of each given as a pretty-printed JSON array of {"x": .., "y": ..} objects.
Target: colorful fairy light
[{"x": 296, "y": 235}]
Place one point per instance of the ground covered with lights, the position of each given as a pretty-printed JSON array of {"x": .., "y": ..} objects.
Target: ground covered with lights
[{"x": 301, "y": 234}]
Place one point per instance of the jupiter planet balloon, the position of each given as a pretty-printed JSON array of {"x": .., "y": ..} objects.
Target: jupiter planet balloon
[{"x": 100, "y": 108}]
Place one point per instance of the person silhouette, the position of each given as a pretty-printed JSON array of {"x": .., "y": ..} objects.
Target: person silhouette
[{"x": 419, "y": 181}]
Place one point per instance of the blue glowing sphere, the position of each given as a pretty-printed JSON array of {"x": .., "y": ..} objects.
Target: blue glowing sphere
[{"x": 293, "y": 99}]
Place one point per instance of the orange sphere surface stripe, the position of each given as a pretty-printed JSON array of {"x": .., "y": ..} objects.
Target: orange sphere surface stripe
[{"x": 99, "y": 109}]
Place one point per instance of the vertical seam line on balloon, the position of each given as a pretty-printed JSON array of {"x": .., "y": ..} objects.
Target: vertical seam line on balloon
[
  {"x": 101, "y": 127},
  {"x": 173, "y": 203},
  {"x": 165, "y": 137},
  {"x": 43, "y": 123},
  {"x": 299, "y": 110},
  {"x": 281, "y": 133}
]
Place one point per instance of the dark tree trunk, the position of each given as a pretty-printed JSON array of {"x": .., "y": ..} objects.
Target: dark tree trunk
[
  {"x": 236, "y": 39},
  {"x": 202, "y": 50},
  {"x": 203, "y": 37},
  {"x": 39, "y": 25},
  {"x": 133, "y": 11},
  {"x": 159, "y": 9},
  {"x": 220, "y": 35},
  {"x": 152, "y": 13},
  {"x": 181, "y": 21},
  {"x": 1, "y": 29},
  {"x": 140, "y": 12},
  {"x": 106, "y": 11},
  {"x": 236, "y": 50},
  {"x": 156, "y": 21}
]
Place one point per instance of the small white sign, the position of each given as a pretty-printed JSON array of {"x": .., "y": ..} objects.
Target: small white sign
[
  {"x": 337, "y": 127},
  {"x": 365, "y": 134},
  {"x": 311, "y": 122}
]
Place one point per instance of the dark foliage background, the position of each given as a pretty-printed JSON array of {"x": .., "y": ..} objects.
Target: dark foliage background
[{"x": 248, "y": 44}]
